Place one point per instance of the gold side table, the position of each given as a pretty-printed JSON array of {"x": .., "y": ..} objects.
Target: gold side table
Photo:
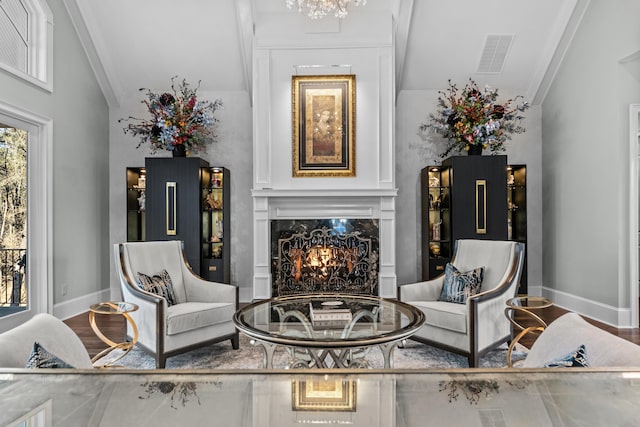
[
  {"x": 525, "y": 305},
  {"x": 109, "y": 308}
]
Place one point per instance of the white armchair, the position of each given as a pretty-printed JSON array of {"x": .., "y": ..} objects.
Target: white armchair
[
  {"x": 203, "y": 312},
  {"x": 479, "y": 325}
]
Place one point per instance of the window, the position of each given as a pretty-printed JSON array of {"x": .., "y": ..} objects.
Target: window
[
  {"x": 26, "y": 40},
  {"x": 13, "y": 220},
  {"x": 38, "y": 267}
]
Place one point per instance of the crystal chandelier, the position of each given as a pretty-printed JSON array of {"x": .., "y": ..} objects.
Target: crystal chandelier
[{"x": 319, "y": 8}]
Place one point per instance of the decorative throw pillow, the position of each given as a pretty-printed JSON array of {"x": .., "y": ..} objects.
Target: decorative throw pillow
[
  {"x": 457, "y": 286},
  {"x": 159, "y": 284},
  {"x": 41, "y": 358},
  {"x": 577, "y": 359}
]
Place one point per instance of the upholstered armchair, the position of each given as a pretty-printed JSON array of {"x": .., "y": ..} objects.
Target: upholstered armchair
[
  {"x": 478, "y": 324},
  {"x": 191, "y": 313}
]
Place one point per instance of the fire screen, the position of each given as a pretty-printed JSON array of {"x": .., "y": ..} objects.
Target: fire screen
[{"x": 319, "y": 256}]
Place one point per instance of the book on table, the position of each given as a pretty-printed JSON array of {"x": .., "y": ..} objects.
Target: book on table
[{"x": 329, "y": 313}]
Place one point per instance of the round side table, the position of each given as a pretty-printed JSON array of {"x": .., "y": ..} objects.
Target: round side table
[
  {"x": 109, "y": 308},
  {"x": 525, "y": 305}
]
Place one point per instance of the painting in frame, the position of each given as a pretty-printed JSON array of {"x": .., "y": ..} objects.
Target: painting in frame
[
  {"x": 323, "y": 125},
  {"x": 320, "y": 394}
]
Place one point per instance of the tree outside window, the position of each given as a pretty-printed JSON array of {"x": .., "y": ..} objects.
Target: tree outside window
[{"x": 13, "y": 216}]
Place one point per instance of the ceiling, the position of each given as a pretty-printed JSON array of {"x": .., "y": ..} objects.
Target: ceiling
[{"x": 435, "y": 41}]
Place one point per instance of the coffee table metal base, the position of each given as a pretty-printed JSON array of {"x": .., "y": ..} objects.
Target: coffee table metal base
[{"x": 306, "y": 357}]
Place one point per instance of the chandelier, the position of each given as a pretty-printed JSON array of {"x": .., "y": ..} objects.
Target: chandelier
[{"x": 319, "y": 8}]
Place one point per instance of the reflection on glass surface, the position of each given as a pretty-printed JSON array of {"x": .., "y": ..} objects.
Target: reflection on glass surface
[
  {"x": 289, "y": 318},
  {"x": 551, "y": 397}
]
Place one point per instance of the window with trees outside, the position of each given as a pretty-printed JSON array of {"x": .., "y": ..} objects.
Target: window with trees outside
[{"x": 13, "y": 220}]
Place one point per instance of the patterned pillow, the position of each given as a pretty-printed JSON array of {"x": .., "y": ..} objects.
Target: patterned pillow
[
  {"x": 159, "y": 284},
  {"x": 457, "y": 286},
  {"x": 41, "y": 358},
  {"x": 577, "y": 359}
]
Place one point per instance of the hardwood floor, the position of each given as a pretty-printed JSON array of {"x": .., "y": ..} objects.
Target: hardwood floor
[{"x": 114, "y": 327}]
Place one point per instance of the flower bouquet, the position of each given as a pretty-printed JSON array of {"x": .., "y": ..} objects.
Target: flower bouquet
[
  {"x": 179, "y": 121},
  {"x": 474, "y": 118}
]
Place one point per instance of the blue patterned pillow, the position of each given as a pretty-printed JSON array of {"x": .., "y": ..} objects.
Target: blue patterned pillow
[
  {"x": 41, "y": 358},
  {"x": 577, "y": 359},
  {"x": 159, "y": 284},
  {"x": 457, "y": 286}
]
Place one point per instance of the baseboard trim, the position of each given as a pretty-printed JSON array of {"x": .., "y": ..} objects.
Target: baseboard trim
[
  {"x": 79, "y": 305},
  {"x": 613, "y": 316}
]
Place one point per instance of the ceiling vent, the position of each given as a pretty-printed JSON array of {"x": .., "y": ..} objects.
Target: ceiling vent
[{"x": 494, "y": 53}]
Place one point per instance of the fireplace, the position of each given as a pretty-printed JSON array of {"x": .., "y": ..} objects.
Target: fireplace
[
  {"x": 324, "y": 255},
  {"x": 369, "y": 213}
]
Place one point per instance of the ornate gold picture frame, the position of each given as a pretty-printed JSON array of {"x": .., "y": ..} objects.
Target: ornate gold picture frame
[
  {"x": 323, "y": 125},
  {"x": 323, "y": 395}
]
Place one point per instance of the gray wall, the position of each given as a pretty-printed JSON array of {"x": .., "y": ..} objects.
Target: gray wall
[
  {"x": 80, "y": 161},
  {"x": 585, "y": 160}
]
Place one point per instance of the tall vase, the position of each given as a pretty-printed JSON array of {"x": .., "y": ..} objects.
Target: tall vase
[
  {"x": 475, "y": 150},
  {"x": 179, "y": 151}
]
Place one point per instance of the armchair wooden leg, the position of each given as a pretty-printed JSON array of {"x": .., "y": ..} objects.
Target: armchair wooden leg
[
  {"x": 161, "y": 362},
  {"x": 473, "y": 359},
  {"x": 235, "y": 341}
]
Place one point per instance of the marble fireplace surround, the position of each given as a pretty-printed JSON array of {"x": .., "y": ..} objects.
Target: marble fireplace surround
[{"x": 323, "y": 204}]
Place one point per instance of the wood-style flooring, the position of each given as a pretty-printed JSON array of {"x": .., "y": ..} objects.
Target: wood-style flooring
[{"x": 114, "y": 327}]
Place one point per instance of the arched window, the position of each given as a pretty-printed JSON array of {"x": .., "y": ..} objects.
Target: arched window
[{"x": 26, "y": 40}]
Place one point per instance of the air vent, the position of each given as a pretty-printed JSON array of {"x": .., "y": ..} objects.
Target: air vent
[{"x": 494, "y": 53}]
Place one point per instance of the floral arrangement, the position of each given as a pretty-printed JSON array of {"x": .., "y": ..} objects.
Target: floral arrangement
[
  {"x": 475, "y": 118},
  {"x": 177, "y": 118}
]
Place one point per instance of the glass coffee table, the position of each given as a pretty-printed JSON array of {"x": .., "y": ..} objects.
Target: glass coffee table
[{"x": 338, "y": 335}]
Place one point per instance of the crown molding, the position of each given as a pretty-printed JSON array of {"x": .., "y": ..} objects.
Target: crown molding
[
  {"x": 402, "y": 13},
  {"x": 244, "y": 18},
  {"x": 541, "y": 84}
]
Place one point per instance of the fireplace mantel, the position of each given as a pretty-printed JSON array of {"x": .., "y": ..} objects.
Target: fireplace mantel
[
  {"x": 272, "y": 204},
  {"x": 334, "y": 193}
]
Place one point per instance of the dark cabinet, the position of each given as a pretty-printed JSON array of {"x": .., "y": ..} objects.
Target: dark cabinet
[
  {"x": 464, "y": 198},
  {"x": 188, "y": 200}
]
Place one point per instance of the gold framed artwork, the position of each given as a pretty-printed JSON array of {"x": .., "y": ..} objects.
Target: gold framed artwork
[
  {"x": 323, "y": 125},
  {"x": 323, "y": 395}
]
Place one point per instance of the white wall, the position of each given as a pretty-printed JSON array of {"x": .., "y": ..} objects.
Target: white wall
[
  {"x": 80, "y": 162},
  {"x": 586, "y": 166},
  {"x": 413, "y": 153},
  {"x": 291, "y": 44}
]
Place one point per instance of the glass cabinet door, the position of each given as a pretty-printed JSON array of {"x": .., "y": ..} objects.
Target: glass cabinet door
[
  {"x": 136, "y": 207},
  {"x": 436, "y": 220},
  {"x": 215, "y": 219}
]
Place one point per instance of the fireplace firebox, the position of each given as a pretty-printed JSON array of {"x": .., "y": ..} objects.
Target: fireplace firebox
[{"x": 324, "y": 255}]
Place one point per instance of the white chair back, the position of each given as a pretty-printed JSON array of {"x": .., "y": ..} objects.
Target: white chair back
[
  {"x": 152, "y": 257},
  {"x": 494, "y": 256}
]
